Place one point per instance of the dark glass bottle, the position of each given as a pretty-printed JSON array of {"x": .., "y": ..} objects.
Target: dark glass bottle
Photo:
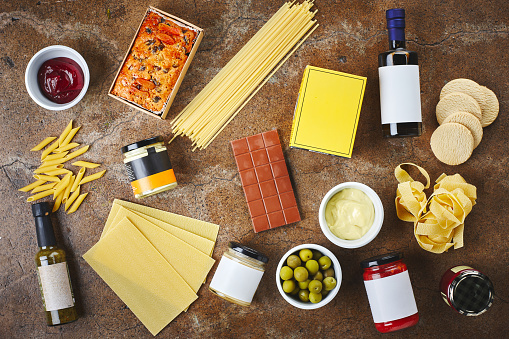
[
  {"x": 52, "y": 272},
  {"x": 399, "y": 82}
]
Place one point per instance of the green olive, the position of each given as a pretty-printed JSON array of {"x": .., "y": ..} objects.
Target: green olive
[
  {"x": 305, "y": 255},
  {"x": 286, "y": 273},
  {"x": 288, "y": 286},
  {"x": 329, "y": 273},
  {"x": 317, "y": 255},
  {"x": 318, "y": 276},
  {"x": 301, "y": 274},
  {"x": 293, "y": 261},
  {"x": 324, "y": 293},
  {"x": 304, "y": 295},
  {"x": 312, "y": 266},
  {"x": 324, "y": 262},
  {"x": 304, "y": 284},
  {"x": 296, "y": 290},
  {"x": 315, "y": 286},
  {"x": 329, "y": 283},
  {"x": 315, "y": 297}
]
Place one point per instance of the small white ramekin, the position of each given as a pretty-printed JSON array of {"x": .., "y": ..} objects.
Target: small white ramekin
[
  {"x": 337, "y": 274},
  {"x": 51, "y": 52},
  {"x": 377, "y": 222}
]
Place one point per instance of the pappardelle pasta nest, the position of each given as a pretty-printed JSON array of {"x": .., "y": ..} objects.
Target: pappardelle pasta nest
[{"x": 439, "y": 220}]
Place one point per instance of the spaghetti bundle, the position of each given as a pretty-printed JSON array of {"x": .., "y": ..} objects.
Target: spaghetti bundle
[{"x": 230, "y": 90}]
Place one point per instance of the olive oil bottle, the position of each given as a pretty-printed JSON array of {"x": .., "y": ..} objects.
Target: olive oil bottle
[{"x": 52, "y": 271}]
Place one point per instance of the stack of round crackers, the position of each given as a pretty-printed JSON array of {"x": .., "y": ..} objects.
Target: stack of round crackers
[{"x": 465, "y": 107}]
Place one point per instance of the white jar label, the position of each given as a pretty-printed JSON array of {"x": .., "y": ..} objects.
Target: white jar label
[
  {"x": 391, "y": 298},
  {"x": 400, "y": 94},
  {"x": 236, "y": 280},
  {"x": 55, "y": 286}
]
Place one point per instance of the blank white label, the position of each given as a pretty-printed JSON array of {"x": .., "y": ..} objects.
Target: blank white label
[
  {"x": 56, "y": 287},
  {"x": 400, "y": 94},
  {"x": 236, "y": 280},
  {"x": 391, "y": 298}
]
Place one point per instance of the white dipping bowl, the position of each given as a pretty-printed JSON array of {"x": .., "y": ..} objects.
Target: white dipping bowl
[
  {"x": 51, "y": 52},
  {"x": 370, "y": 234},
  {"x": 337, "y": 275}
]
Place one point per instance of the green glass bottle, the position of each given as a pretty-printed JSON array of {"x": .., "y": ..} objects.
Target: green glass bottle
[{"x": 52, "y": 272}]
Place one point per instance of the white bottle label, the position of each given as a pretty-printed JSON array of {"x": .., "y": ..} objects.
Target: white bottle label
[
  {"x": 391, "y": 298},
  {"x": 236, "y": 280},
  {"x": 56, "y": 287},
  {"x": 400, "y": 94}
]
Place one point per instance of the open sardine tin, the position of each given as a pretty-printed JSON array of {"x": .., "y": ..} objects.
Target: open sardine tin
[{"x": 164, "y": 112}]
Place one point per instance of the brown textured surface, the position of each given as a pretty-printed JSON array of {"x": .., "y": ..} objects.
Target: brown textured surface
[{"x": 453, "y": 38}]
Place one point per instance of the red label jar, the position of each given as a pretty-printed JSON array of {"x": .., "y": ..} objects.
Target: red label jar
[
  {"x": 390, "y": 293},
  {"x": 466, "y": 290}
]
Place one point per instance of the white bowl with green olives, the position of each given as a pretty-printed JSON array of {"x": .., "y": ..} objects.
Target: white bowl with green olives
[{"x": 308, "y": 276}]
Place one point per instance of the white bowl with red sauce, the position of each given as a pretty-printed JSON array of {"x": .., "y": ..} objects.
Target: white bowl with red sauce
[{"x": 77, "y": 65}]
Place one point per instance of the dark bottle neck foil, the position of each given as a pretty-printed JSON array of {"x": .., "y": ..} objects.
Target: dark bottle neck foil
[
  {"x": 396, "y": 27},
  {"x": 43, "y": 224}
]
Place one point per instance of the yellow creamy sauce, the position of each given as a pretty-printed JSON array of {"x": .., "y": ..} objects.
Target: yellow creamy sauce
[{"x": 349, "y": 214}]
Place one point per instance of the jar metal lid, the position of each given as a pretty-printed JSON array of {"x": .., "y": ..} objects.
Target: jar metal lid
[
  {"x": 382, "y": 259},
  {"x": 472, "y": 293},
  {"x": 142, "y": 143},
  {"x": 248, "y": 251}
]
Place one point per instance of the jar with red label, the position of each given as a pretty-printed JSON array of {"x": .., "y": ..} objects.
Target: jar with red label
[
  {"x": 390, "y": 293},
  {"x": 466, "y": 290}
]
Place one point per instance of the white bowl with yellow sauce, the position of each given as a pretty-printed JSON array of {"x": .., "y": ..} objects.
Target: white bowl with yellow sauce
[{"x": 351, "y": 215}]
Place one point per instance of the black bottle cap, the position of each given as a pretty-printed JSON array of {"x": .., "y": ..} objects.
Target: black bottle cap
[
  {"x": 248, "y": 251},
  {"x": 382, "y": 259},
  {"x": 43, "y": 225},
  {"x": 142, "y": 143}
]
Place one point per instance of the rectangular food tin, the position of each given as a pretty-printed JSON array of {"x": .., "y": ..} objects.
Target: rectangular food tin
[{"x": 182, "y": 74}]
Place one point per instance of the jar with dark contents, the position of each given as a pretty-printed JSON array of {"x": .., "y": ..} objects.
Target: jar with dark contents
[
  {"x": 467, "y": 290},
  {"x": 390, "y": 293}
]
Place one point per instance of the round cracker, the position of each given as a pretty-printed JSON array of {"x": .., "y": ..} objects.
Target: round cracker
[
  {"x": 492, "y": 107},
  {"x": 452, "y": 143},
  {"x": 457, "y": 102},
  {"x": 466, "y": 86},
  {"x": 469, "y": 121}
]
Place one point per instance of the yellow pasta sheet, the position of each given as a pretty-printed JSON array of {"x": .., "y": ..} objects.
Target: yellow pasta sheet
[
  {"x": 140, "y": 276},
  {"x": 191, "y": 264},
  {"x": 203, "y": 229}
]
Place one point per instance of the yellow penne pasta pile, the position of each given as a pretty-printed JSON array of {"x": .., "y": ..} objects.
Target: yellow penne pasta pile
[{"x": 66, "y": 189}]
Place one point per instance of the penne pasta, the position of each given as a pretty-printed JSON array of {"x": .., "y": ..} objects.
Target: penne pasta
[
  {"x": 48, "y": 150},
  {"x": 43, "y": 169},
  {"x": 43, "y": 144},
  {"x": 58, "y": 202},
  {"x": 65, "y": 133},
  {"x": 69, "y": 137},
  {"x": 44, "y": 187},
  {"x": 46, "y": 177},
  {"x": 55, "y": 156},
  {"x": 59, "y": 171},
  {"x": 91, "y": 177},
  {"x": 76, "y": 153},
  {"x": 54, "y": 162},
  {"x": 77, "y": 203},
  {"x": 71, "y": 199},
  {"x": 32, "y": 185},
  {"x": 40, "y": 195},
  {"x": 85, "y": 164},
  {"x": 60, "y": 187},
  {"x": 68, "y": 189},
  {"x": 66, "y": 147},
  {"x": 79, "y": 176}
]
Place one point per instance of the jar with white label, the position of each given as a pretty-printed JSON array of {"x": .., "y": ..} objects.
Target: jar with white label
[
  {"x": 390, "y": 293},
  {"x": 238, "y": 274}
]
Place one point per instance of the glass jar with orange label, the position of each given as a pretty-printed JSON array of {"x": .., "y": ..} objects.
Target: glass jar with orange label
[{"x": 148, "y": 167}]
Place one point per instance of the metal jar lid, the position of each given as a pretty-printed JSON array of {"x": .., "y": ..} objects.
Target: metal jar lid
[
  {"x": 382, "y": 259},
  {"x": 471, "y": 293},
  {"x": 247, "y": 251},
  {"x": 142, "y": 143}
]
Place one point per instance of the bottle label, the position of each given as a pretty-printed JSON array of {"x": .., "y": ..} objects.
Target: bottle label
[
  {"x": 400, "y": 94},
  {"x": 236, "y": 280},
  {"x": 55, "y": 286},
  {"x": 391, "y": 298}
]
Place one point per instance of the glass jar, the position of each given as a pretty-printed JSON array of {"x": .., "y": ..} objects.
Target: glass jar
[
  {"x": 238, "y": 274},
  {"x": 466, "y": 290},
  {"x": 390, "y": 293},
  {"x": 148, "y": 167}
]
